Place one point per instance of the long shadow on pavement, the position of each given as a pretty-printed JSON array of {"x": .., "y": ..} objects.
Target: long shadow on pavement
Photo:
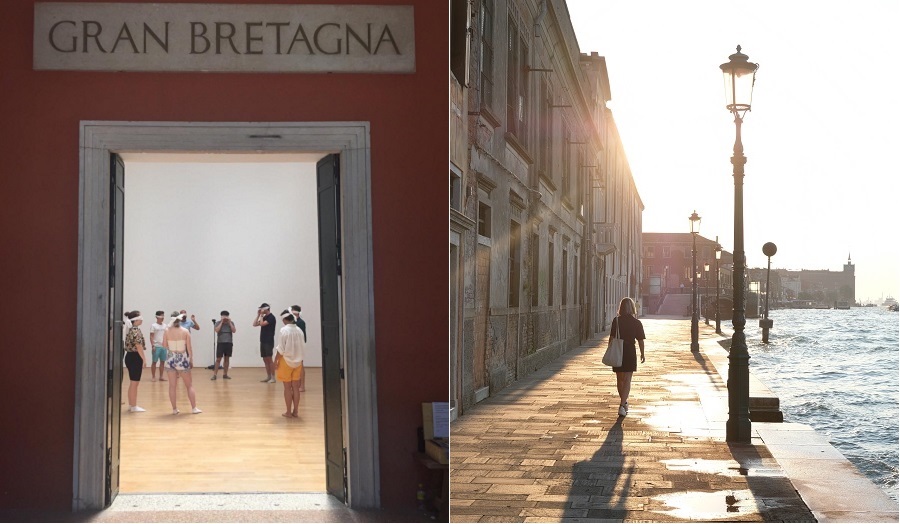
[{"x": 593, "y": 494}]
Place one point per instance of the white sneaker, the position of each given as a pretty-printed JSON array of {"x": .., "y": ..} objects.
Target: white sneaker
[
  {"x": 622, "y": 411},
  {"x": 196, "y": 410},
  {"x": 136, "y": 409},
  {"x": 626, "y": 407},
  {"x": 175, "y": 412},
  {"x": 271, "y": 381}
]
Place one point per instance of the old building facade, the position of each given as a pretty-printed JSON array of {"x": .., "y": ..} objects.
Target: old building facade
[
  {"x": 667, "y": 260},
  {"x": 545, "y": 218}
]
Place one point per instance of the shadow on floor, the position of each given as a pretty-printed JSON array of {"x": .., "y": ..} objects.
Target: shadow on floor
[{"x": 594, "y": 493}]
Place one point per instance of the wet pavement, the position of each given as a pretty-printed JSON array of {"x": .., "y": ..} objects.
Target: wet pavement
[{"x": 552, "y": 448}]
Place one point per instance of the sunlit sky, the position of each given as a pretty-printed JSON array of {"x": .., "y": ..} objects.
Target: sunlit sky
[{"x": 821, "y": 141}]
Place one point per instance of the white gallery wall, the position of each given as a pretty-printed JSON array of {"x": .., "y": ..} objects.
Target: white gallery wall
[{"x": 207, "y": 233}]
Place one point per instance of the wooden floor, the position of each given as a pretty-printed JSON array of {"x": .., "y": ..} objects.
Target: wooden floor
[{"x": 240, "y": 443}]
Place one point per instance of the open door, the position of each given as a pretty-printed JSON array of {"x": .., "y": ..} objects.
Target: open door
[
  {"x": 114, "y": 326},
  {"x": 328, "y": 178}
]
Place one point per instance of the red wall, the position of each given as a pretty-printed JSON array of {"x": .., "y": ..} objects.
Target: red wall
[{"x": 39, "y": 116}]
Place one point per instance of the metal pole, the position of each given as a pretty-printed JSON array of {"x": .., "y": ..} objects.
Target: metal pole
[
  {"x": 718, "y": 322},
  {"x": 737, "y": 428},
  {"x": 706, "y": 295},
  {"x": 765, "y": 330},
  {"x": 695, "y": 329}
]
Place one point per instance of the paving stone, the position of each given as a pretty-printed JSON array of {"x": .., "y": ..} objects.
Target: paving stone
[{"x": 551, "y": 447}]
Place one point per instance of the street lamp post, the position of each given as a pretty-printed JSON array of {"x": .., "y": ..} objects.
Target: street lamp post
[
  {"x": 718, "y": 257},
  {"x": 706, "y": 293},
  {"x": 695, "y": 329},
  {"x": 769, "y": 249},
  {"x": 740, "y": 75}
]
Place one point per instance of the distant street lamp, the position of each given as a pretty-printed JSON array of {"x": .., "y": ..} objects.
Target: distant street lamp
[
  {"x": 695, "y": 329},
  {"x": 706, "y": 294},
  {"x": 740, "y": 75},
  {"x": 769, "y": 249},
  {"x": 718, "y": 257}
]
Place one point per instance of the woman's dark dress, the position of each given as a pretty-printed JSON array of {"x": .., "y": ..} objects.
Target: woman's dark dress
[{"x": 632, "y": 329}]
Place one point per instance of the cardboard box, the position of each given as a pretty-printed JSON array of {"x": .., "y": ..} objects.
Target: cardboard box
[{"x": 438, "y": 450}]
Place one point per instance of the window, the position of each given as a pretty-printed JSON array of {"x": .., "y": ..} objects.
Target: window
[
  {"x": 486, "y": 74},
  {"x": 649, "y": 252},
  {"x": 484, "y": 219},
  {"x": 535, "y": 267},
  {"x": 667, "y": 251},
  {"x": 515, "y": 264},
  {"x": 517, "y": 84},
  {"x": 550, "y": 272},
  {"x": 459, "y": 40},
  {"x": 564, "y": 269},
  {"x": 455, "y": 190}
]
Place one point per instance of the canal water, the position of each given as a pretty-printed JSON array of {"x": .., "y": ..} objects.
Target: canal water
[{"x": 837, "y": 370}]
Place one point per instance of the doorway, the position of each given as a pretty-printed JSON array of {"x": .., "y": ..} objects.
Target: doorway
[
  {"x": 206, "y": 233},
  {"x": 351, "y": 435}
]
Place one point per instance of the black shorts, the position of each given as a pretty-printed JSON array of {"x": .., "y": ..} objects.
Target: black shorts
[
  {"x": 135, "y": 365},
  {"x": 266, "y": 349},
  {"x": 224, "y": 349}
]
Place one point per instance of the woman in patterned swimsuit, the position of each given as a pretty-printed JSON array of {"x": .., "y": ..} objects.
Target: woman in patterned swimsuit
[{"x": 179, "y": 361}]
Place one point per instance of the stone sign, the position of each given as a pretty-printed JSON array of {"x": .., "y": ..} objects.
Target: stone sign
[{"x": 224, "y": 37}]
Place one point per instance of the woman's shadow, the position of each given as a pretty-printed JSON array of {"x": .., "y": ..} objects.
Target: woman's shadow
[{"x": 594, "y": 493}]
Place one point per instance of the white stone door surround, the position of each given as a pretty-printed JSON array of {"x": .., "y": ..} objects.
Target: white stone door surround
[{"x": 352, "y": 141}]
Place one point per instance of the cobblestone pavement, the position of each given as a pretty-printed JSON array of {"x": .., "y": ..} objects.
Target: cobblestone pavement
[{"x": 552, "y": 448}]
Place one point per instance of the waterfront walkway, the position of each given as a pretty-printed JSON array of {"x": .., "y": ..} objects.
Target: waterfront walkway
[{"x": 552, "y": 448}]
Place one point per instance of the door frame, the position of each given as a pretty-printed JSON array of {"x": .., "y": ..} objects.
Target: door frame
[{"x": 97, "y": 140}]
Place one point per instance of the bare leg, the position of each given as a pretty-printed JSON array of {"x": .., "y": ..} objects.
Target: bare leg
[
  {"x": 288, "y": 399},
  {"x": 295, "y": 386},
  {"x": 153, "y": 372},
  {"x": 625, "y": 389},
  {"x": 227, "y": 359},
  {"x": 132, "y": 393},
  {"x": 173, "y": 381},
  {"x": 270, "y": 367},
  {"x": 189, "y": 386},
  {"x": 302, "y": 377},
  {"x": 217, "y": 366},
  {"x": 162, "y": 367}
]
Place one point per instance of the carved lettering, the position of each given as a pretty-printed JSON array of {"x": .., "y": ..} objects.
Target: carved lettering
[
  {"x": 220, "y": 35},
  {"x": 367, "y": 45},
  {"x": 316, "y": 39},
  {"x": 250, "y": 38},
  {"x": 278, "y": 26},
  {"x": 201, "y": 35},
  {"x": 87, "y": 34},
  {"x": 164, "y": 44},
  {"x": 52, "y": 36},
  {"x": 387, "y": 36},
  {"x": 300, "y": 36},
  {"x": 124, "y": 34}
]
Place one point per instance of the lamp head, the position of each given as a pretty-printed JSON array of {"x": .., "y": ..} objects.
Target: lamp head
[
  {"x": 706, "y": 266},
  {"x": 718, "y": 252},
  {"x": 695, "y": 222},
  {"x": 740, "y": 75}
]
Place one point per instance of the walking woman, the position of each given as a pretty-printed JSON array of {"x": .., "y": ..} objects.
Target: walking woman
[
  {"x": 179, "y": 361},
  {"x": 135, "y": 360},
  {"x": 631, "y": 330}
]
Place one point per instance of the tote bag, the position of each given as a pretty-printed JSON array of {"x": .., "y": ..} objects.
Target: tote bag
[{"x": 613, "y": 355}]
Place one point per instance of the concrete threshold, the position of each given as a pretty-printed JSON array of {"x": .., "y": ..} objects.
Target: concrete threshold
[{"x": 830, "y": 486}]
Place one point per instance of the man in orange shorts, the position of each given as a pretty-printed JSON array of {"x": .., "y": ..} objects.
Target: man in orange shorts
[{"x": 289, "y": 363}]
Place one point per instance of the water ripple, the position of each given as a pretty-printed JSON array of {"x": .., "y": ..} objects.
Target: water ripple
[{"x": 836, "y": 370}]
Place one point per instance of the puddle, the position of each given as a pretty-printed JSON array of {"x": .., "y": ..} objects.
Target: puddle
[
  {"x": 708, "y": 506},
  {"x": 728, "y": 468},
  {"x": 716, "y": 467}
]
